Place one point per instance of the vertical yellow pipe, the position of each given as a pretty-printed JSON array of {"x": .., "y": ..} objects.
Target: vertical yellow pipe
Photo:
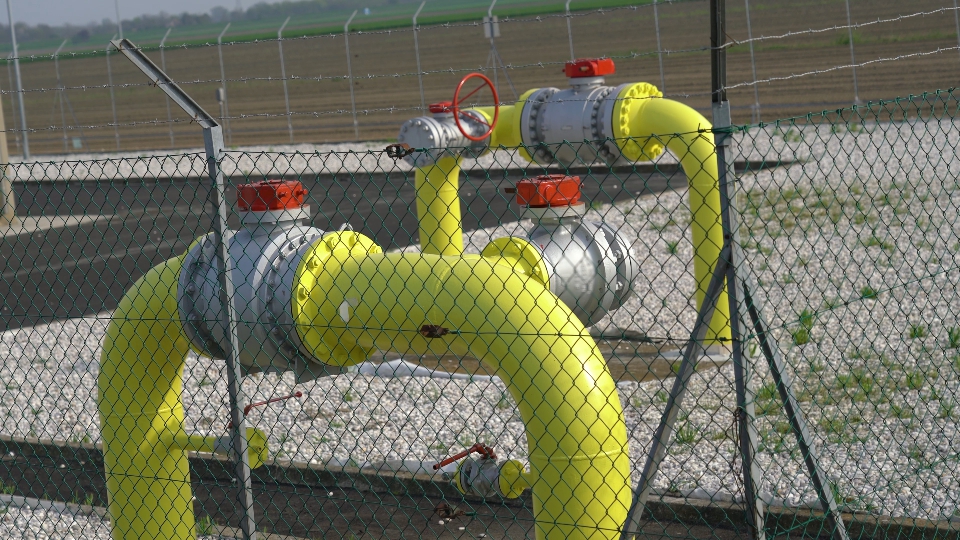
[
  {"x": 652, "y": 122},
  {"x": 567, "y": 398},
  {"x": 148, "y": 482},
  {"x": 438, "y": 207}
]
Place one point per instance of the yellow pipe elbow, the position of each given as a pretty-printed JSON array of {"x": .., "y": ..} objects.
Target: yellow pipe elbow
[
  {"x": 139, "y": 387},
  {"x": 576, "y": 435},
  {"x": 647, "y": 123}
]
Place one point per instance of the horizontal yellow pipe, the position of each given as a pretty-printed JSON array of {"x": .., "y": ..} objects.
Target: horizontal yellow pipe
[
  {"x": 567, "y": 398},
  {"x": 148, "y": 482}
]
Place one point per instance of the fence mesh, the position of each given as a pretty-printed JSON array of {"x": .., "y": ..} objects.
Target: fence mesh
[{"x": 849, "y": 235}]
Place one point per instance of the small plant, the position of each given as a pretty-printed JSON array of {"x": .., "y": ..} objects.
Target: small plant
[
  {"x": 204, "y": 381},
  {"x": 899, "y": 411},
  {"x": 672, "y": 247},
  {"x": 348, "y": 396},
  {"x": 504, "y": 402},
  {"x": 868, "y": 293},
  {"x": 687, "y": 434},
  {"x": 661, "y": 396},
  {"x": 946, "y": 409},
  {"x": 953, "y": 337},
  {"x": 205, "y": 526},
  {"x": 801, "y": 336},
  {"x": 7, "y": 490},
  {"x": 918, "y": 331},
  {"x": 915, "y": 380},
  {"x": 768, "y": 391}
]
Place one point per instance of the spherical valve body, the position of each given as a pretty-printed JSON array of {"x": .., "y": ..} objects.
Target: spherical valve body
[
  {"x": 264, "y": 255},
  {"x": 590, "y": 266}
]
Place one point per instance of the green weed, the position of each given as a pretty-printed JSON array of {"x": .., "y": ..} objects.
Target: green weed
[
  {"x": 205, "y": 526},
  {"x": 868, "y": 293},
  {"x": 917, "y": 331},
  {"x": 687, "y": 434},
  {"x": 953, "y": 337}
]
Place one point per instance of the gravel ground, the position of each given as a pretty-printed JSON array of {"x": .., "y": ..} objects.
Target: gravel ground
[{"x": 854, "y": 253}]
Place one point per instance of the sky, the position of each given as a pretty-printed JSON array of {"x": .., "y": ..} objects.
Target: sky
[{"x": 57, "y": 12}]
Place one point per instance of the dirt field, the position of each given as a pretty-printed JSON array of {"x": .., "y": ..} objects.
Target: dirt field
[{"x": 322, "y": 107}]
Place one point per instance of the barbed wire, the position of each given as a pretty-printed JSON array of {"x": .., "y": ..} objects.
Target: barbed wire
[
  {"x": 451, "y": 70},
  {"x": 853, "y": 26},
  {"x": 388, "y": 31},
  {"x": 310, "y": 114},
  {"x": 938, "y": 50}
]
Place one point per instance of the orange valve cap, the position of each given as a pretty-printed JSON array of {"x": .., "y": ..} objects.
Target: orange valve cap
[
  {"x": 549, "y": 190},
  {"x": 271, "y": 195}
]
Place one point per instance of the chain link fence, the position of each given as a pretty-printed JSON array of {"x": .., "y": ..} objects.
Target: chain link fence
[{"x": 382, "y": 360}]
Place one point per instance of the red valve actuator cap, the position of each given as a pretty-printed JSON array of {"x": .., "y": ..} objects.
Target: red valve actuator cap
[
  {"x": 271, "y": 195},
  {"x": 441, "y": 107},
  {"x": 549, "y": 190},
  {"x": 589, "y": 67}
]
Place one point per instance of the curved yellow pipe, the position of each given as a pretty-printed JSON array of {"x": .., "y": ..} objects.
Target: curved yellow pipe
[
  {"x": 141, "y": 367},
  {"x": 654, "y": 121},
  {"x": 567, "y": 398}
]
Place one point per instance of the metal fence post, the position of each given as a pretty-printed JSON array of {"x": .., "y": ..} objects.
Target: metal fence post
[
  {"x": 353, "y": 101},
  {"x": 214, "y": 147},
  {"x": 656, "y": 23},
  {"x": 163, "y": 66},
  {"x": 225, "y": 116},
  {"x": 63, "y": 116},
  {"x": 416, "y": 49},
  {"x": 956, "y": 19},
  {"x": 853, "y": 59},
  {"x": 113, "y": 102},
  {"x": 16, "y": 69},
  {"x": 566, "y": 8},
  {"x": 8, "y": 204},
  {"x": 283, "y": 77},
  {"x": 755, "y": 113},
  {"x": 13, "y": 105}
]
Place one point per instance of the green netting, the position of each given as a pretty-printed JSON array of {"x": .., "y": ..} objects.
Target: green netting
[{"x": 848, "y": 235}]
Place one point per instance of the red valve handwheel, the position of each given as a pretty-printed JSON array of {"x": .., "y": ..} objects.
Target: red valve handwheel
[{"x": 457, "y": 100}]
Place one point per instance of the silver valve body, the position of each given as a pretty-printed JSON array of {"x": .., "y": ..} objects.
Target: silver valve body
[
  {"x": 438, "y": 135},
  {"x": 264, "y": 256}
]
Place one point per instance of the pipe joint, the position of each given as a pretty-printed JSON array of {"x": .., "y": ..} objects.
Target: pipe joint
[
  {"x": 264, "y": 256},
  {"x": 256, "y": 444}
]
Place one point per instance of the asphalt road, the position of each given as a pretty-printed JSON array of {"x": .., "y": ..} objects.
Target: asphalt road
[{"x": 83, "y": 269}]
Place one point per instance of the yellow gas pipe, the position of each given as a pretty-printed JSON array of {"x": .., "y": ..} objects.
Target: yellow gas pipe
[
  {"x": 645, "y": 122},
  {"x": 141, "y": 414},
  {"x": 580, "y": 471},
  {"x": 352, "y": 295}
]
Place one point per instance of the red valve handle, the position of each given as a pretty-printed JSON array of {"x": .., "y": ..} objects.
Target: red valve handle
[
  {"x": 246, "y": 410},
  {"x": 480, "y": 448},
  {"x": 457, "y": 100}
]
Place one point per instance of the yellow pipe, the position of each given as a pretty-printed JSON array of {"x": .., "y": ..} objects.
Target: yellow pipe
[
  {"x": 643, "y": 123},
  {"x": 438, "y": 207},
  {"x": 148, "y": 481},
  {"x": 141, "y": 414},
  {"x": 649, "y": 122},
  {"x": 567, "y": 398}
]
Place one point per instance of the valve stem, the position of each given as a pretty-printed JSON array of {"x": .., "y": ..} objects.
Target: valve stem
[
  {"x": 246, "y": 410},
  {"x": 486, "y": 452}
]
